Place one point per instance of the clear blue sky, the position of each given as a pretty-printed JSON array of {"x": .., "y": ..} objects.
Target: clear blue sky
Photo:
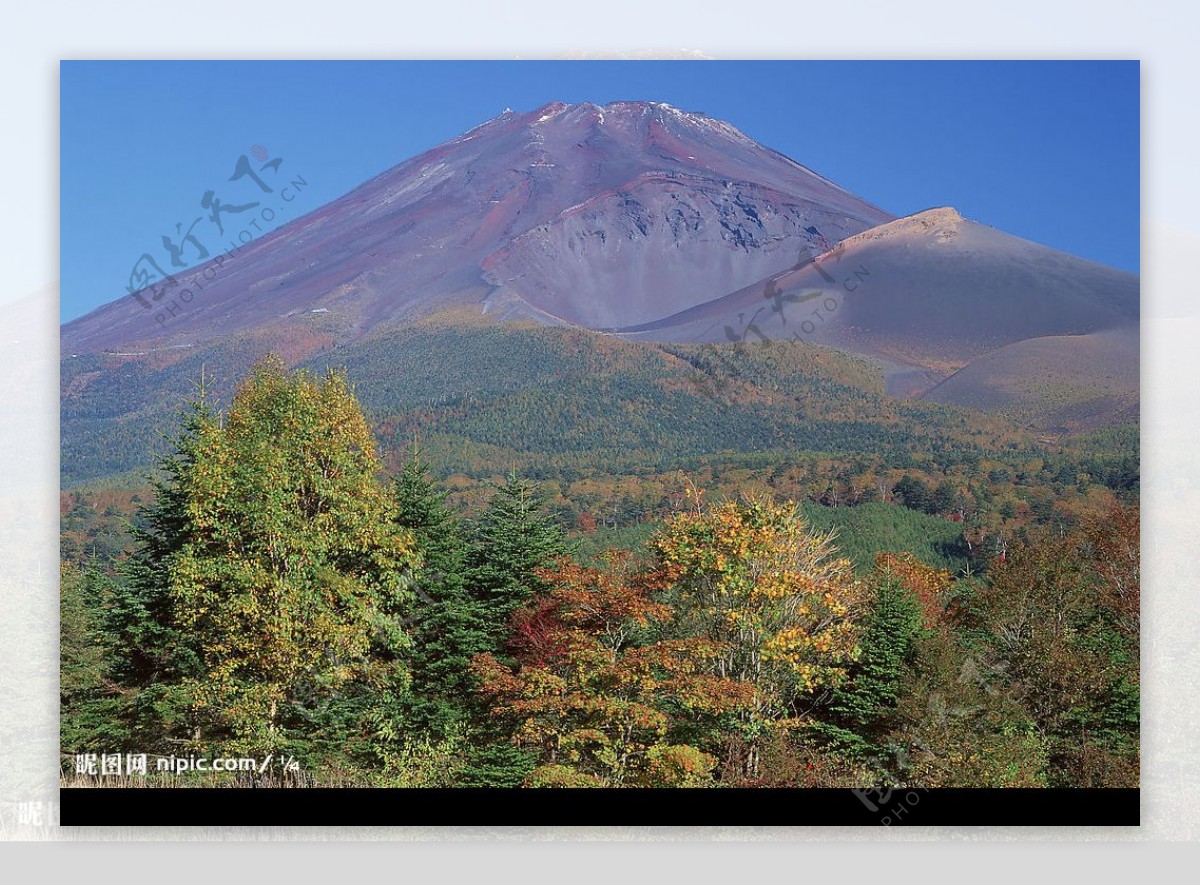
[{"x": 1044, "y": 150}]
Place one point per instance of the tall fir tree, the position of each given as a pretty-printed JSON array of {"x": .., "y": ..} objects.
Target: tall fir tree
[
  {"x": 89, "y": 714},
  {"x": 861, "y": 711},
  {"x": 151, "y": 653},
  {"x": 514, "y": 538},
  {"x": 448, "y": 624}
]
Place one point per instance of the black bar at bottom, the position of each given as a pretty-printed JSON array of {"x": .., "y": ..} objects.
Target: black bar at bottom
[{"x": 761, "y": 807}]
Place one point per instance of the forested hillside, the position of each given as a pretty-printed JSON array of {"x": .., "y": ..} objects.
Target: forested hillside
[
  {"x": 563, "y": 560},
  {"x": 604, "y": 420}
]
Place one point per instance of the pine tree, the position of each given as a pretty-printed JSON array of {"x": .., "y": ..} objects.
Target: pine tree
[
  {"x": 151, "y": 655},
  {"x": 862, "y": 710},
  {"x": 514, "y": 538},
  {"x": 89, "y": 715},
  {"x": 448, "y": 624}
]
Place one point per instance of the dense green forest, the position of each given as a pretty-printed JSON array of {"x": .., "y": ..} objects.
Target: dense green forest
[
  {"x": 898, "y": 603},
  {"x": 609, "y": 429},
  {"x": 566, "y": 405}
]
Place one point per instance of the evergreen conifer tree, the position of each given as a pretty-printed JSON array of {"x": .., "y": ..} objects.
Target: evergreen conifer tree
[
  {"x": 862, "y": 710},
  {"x": 448, "y": 626},
  {"x": 514, "y": 538}
]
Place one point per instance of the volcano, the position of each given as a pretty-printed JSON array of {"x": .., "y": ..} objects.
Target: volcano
[
  {"x": 928, "y": 295},
  {"x": 659, "y": 226},
  {"x": 575, "y": 214}
]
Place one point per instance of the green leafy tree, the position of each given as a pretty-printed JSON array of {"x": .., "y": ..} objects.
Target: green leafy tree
[
  {"x": 272, "y": 555},
  {"x": 913, "y": 492},
  {"x": 960, "y": 724},
  {"x": 1062, "y": 617}
]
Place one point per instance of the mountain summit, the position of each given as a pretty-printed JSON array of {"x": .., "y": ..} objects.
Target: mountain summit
[
  {"x": 639, "y": 220},
  {"x": 600, "y": 216}
]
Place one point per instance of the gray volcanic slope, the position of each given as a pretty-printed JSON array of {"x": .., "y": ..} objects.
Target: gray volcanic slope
[
  {"x": 1063, "y": 383},
  {"x": 925, "y": 295},
  {"x": 597, "y": 216}
]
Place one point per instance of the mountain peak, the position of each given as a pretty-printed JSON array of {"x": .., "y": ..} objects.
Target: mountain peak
[
  {"x": 550, "y": 110},
  {"x": 946, "y": 220},
  {"x": 597, "y": 215},
  {"x": 631, "y": 110}
]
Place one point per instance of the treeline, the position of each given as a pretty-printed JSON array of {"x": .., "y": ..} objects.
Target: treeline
[
  {"x": 563, "y": 404},
  {"x": 983, "y": 502},
  {"x": 606, "y": 426},
  {"x": 280, "y": 597}
]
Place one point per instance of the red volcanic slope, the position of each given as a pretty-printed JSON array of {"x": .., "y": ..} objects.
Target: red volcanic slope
[{"x": 598, "y": 216}]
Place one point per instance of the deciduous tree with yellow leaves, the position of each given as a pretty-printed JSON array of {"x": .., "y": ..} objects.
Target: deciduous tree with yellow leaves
[
  {"x": 777, "y": 599},
  {"x": 272, "y": 555}
]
